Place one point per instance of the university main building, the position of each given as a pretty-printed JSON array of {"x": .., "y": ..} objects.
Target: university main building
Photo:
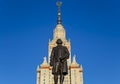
[{"x": 44, "y": 71}]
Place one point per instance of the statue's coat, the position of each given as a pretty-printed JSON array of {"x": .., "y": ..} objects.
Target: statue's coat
[{"x": 54, "y": 58}]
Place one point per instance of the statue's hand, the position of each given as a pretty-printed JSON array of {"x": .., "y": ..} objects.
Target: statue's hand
[
  {"x": 63, "y": 60},
  {"x": 60, "y": 59}
]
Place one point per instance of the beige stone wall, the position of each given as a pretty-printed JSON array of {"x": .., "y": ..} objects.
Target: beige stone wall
[{"x": 44, "y": 76}]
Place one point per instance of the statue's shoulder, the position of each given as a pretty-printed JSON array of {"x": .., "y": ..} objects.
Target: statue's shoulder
[
  {"x": 64, "y": 47},
  {"x": 54, "y": 48}
]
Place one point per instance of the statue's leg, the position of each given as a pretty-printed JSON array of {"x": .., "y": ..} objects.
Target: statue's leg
[
  {"x": 61, "y": 78},
  {"x": 56, "y": 78}
]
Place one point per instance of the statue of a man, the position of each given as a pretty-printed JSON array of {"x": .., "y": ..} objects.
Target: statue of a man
[{"x": 58, "y": 61}]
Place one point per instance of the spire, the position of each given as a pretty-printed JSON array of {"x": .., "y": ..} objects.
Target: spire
[
  {"x": 81, "y": 67},
  {"x": 37, "y": 67},
  {"x": 74, "y": 60},
  {"x": 74, "y": 63},
  {"x": 44, "y": 64},
  {"x": 59, "y": 3},
  {"x": 59, "y": 32},
  {"x": 44, "y": 61}
]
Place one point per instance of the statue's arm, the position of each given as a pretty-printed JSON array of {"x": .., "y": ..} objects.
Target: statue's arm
[
  {"x": 51, "y": 57},
  {"x": 67, "y": 53},
  {"x": 66, "y": 56}
]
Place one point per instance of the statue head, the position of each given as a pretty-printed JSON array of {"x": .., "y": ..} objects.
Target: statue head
[{"x": 59, "y": 41}]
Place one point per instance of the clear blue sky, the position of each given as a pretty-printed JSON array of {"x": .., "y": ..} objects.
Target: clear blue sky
[{"x": 92, "y": 25}]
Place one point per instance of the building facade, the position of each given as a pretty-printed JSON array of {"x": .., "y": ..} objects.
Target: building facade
[{"x": 44, "y": 71}]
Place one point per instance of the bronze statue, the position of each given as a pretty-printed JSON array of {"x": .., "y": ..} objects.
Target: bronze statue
[{"x": 58, "y": 61}]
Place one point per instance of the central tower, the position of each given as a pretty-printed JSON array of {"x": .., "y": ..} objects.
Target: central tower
[
  {"x": 44, "y": 70},
  {"x": 59, "y": 33}
]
